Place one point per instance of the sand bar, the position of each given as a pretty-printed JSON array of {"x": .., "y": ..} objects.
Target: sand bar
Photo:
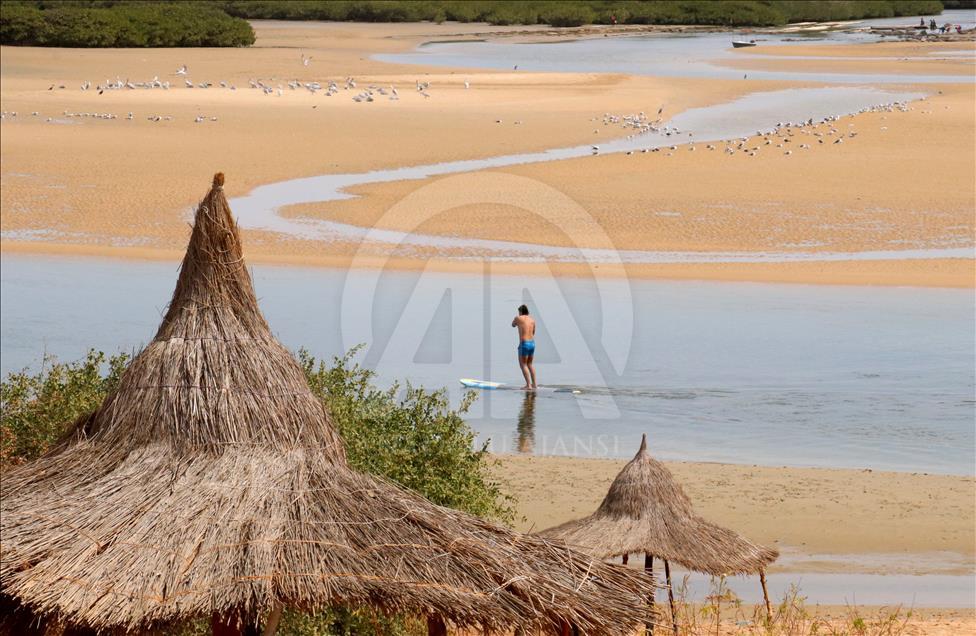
[{"x": 902, "y": 182}]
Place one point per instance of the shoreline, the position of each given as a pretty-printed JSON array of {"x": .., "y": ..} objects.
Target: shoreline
[
  {"x": 949, "y": 273},
  {"x": 824, "y": 520}
]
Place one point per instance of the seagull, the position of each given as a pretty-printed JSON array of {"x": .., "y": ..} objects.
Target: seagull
[
  {"x": 305, "y": 60},
  {"x": 181, "y": 70},
  {"x": 467, "y": 84}
]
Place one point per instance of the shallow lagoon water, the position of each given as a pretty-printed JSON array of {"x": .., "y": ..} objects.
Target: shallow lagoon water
[
  {"x": 665, "y": 55},
  {"x": 879, "y": 378},
  {"x": 260, "y": 209}
]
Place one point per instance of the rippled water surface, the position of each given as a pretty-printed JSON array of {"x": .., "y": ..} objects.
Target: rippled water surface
[{"x": 877, "y": 378}]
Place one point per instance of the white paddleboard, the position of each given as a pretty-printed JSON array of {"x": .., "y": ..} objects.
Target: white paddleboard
[
  {"x": 483, "y": 384},
  {"x": 486, "y": 385}
]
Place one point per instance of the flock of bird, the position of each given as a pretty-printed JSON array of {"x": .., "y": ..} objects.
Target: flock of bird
[
  {"x": 638, "y": 123},
  {"x": 779, "y": 136},
  {"x": 268, "y": 87}
]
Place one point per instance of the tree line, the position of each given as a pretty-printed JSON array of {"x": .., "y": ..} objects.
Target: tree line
[{"x": 195, "y": 23}]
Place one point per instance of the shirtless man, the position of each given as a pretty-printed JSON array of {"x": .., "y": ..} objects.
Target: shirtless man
[{"x": 526, "y": 348}]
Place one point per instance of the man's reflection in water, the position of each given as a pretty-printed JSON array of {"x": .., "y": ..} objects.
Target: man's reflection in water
[{"x": 526, "y": 423}]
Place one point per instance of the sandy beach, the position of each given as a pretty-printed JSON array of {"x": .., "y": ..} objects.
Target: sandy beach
[
  {"x": 826, "y": 520},
  {"x": 68, "y": 184},
  {"x": 822, "y": 520}
]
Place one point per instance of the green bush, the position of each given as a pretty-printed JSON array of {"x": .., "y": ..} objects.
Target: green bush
[
  {"x": 223, "y": 22},
  {"x": 416, "y": 440},
  {"x": 122, "y": 24},
  {"x": 576, "y": 12},
  {"x": 37, "y": 408},
  {"x": 568, "y": 15}
]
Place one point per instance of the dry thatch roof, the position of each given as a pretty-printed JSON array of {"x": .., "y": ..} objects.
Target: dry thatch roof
[
  {"x": 212, "y": 480},
  {"x": 647, "y": 511}
]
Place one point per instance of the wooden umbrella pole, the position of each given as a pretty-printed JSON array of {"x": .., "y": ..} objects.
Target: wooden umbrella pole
[
  {"x": 271, "y": 625},
  {"x": 649, "y": 568},
  {"x": 674, "y": 617},
  {"x": 625, "y": 558},
  {"x": 762, "y": 580},
  {"x": 436, "y": 626}
]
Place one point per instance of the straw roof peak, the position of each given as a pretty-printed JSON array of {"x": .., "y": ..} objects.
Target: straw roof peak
[
  {"x": 214, "y": 375},
  {"x": 646, "y": 510},
  {"x": 213, "y": 481}
]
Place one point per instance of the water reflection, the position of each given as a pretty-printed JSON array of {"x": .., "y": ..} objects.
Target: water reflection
[{"x": 526, "y": 423}]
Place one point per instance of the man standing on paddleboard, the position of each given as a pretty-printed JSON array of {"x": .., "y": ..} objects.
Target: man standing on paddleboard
[{"x": 526, "y": 348}]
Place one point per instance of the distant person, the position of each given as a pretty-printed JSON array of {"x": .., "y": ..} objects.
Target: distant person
[
  {"x": 526, "y": 348},
  {"x": 932, "y": 25},
  {"x": 921, "y": 22}
]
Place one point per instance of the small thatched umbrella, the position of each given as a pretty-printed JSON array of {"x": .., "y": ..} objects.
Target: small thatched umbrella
[
  {"x": 647, "y": 511},
  {"x": 212, "y": 483}
]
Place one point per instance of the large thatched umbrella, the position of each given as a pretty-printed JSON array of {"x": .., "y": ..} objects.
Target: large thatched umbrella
[
  {"x": 647, "y": 511},
  {"x": 212, "y": 483}
]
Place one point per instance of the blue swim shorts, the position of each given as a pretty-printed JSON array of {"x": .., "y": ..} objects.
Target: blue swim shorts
[{"x": 526, "y": 348}]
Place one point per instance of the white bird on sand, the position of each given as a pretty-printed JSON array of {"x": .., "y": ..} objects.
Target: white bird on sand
[
  {"x": 305, "y": 60},
  {"x": 467, "y": 84},
  {"x": 181, "y": 70}
]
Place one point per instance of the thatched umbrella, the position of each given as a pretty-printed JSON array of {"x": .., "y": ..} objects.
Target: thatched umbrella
[
  {"x": 212, "y": 483},
  {"x": 647, "y": 511}
]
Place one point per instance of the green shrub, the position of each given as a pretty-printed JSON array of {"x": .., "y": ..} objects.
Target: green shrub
[
  {"x": 568, "y": 15},
  {"x": 121, "y": 24},
  {"x": 223, "y": 22},
  {"x": 37, "y": 408},
  {"x": 415, "y": 439}
]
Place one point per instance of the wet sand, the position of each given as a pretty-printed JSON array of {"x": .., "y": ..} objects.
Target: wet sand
[
  {"x": 125, "y": 188},
  {"x": 822, "y": 520},
  {"x": 903, "y": 180}
]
